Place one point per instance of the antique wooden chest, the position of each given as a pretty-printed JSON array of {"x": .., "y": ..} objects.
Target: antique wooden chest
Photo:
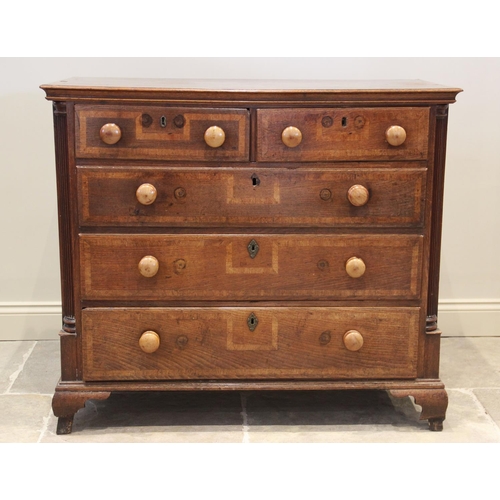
[{"x": 236, "y": 235}]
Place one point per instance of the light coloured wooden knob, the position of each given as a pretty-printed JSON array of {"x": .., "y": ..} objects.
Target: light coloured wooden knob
[
  {"x": 110, "y": 133},
  {"x": 353, "y": 340},
  {"x": 148, "y": 266},
  {"x": 146, "y": 194},
  {"x": 395, "y": 135},
  {"x": 355, "y": 267},
  {"x": 215, "y": 137},
  {"x": 358, "y": 195},
  {"x": 149, "y": 341},
  {"x": 291, "y": 137}
]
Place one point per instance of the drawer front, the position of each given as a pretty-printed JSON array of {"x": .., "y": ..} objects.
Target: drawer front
[
  {"x": 262, "y": 197},
  {"x": 162, "y": 133},
  {"x": 201, "y": 343},
  {"x": 221, "y": 267},
  {"x": 341, "y": 134}
]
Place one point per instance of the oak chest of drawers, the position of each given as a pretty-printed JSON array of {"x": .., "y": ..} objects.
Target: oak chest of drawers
[{"x": 232, "y": 235}]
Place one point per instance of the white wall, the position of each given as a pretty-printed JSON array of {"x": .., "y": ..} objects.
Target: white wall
[{"x": 29, "y": 273}]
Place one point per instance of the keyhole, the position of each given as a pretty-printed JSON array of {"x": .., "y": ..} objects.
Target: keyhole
[
  {"x": 253, "y": 249},
  {"x": 344, "y": 121},
  {"x": 255, "y": 180},
  {"x": 163, "y": 121},
  {"x": 252, "y": 322}
]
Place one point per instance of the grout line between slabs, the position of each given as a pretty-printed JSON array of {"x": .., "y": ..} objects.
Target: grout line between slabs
[
  {"x": 45, "y": 426},
  {"x": 16, "y": 374},
  {"x": 480, "y": 406},
  {"x": 244, "y": 415}
]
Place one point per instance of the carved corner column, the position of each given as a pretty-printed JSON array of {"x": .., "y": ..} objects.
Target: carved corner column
[
  {"x": 433, "y": 337},
  {"x": 437, "y": 216},
  {"x": 68, "y": 330}
]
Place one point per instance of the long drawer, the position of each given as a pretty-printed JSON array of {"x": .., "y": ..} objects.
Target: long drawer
[
  {"x": 221, "y": 343},
  {"x": 161, "y": 132},
  {"x": 376, "y": 196},
  {"x": 327, "y": 134},
  {"x": 248, "y": 267}
]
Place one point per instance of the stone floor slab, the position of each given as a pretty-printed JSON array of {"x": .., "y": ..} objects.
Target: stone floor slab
[
  {"x": 41, "y": 371},
  {"x": 362, "y": 417},
  {"x": 12, "y": 357},
  {"x": 469, "y": 362},
  {"x": 490, "y": 399},
  {"x": 23, "y": 417},
  {"x": 470, "y": 370}
]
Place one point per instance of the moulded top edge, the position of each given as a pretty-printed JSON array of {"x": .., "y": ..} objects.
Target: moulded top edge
[{"x": 128, "y": 88}]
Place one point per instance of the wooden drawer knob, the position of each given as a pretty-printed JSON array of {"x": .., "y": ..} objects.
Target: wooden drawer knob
[
  {"x": 215, "y": 137},
  {"x": 110, "y": 133},
  {"x": 146, "y": 194},
  {"x": 149, "y": 341},
  {"x": 358, "y": 195},
  {"x": 355, "y": 267},
  {"x": 353, "y": 340},
  {"x": 148, "y": 266},
  {"x": 291, "y": 137},
  {"x": 395, "y": 135}
]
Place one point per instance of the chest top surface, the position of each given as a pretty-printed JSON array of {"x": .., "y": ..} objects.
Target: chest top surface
[{"x": 363, "y": 91}]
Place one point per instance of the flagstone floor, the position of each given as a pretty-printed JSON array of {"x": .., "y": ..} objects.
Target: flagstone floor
[{"x": 470, "y": 369}]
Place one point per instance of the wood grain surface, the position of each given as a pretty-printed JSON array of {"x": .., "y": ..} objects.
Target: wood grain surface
[
  {"x": 200, "y": 343},
  {"x": 162, "y": 133},
  {"x": 264, "y": 92},
  {"x": 211, "y": 267},
  {"x": 342, "y": 134},
  {"x": 302, "y": 197}
]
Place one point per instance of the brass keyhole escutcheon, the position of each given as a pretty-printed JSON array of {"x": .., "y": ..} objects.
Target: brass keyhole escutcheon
[
  {"x": 253, "y": 249},
  {"x": 252, "y": 322}
]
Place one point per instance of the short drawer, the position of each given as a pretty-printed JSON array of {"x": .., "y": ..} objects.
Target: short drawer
[
  {"x": 298, "y": 135},
  {"x": 250, "y": 267},
  {"x": 304, "y": 197},
  {"x": 223, "y": 343},
  {"x": 162, "y": 133}
]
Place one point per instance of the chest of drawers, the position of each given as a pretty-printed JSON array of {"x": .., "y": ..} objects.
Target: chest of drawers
[{"x": 232, "y": 235}]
